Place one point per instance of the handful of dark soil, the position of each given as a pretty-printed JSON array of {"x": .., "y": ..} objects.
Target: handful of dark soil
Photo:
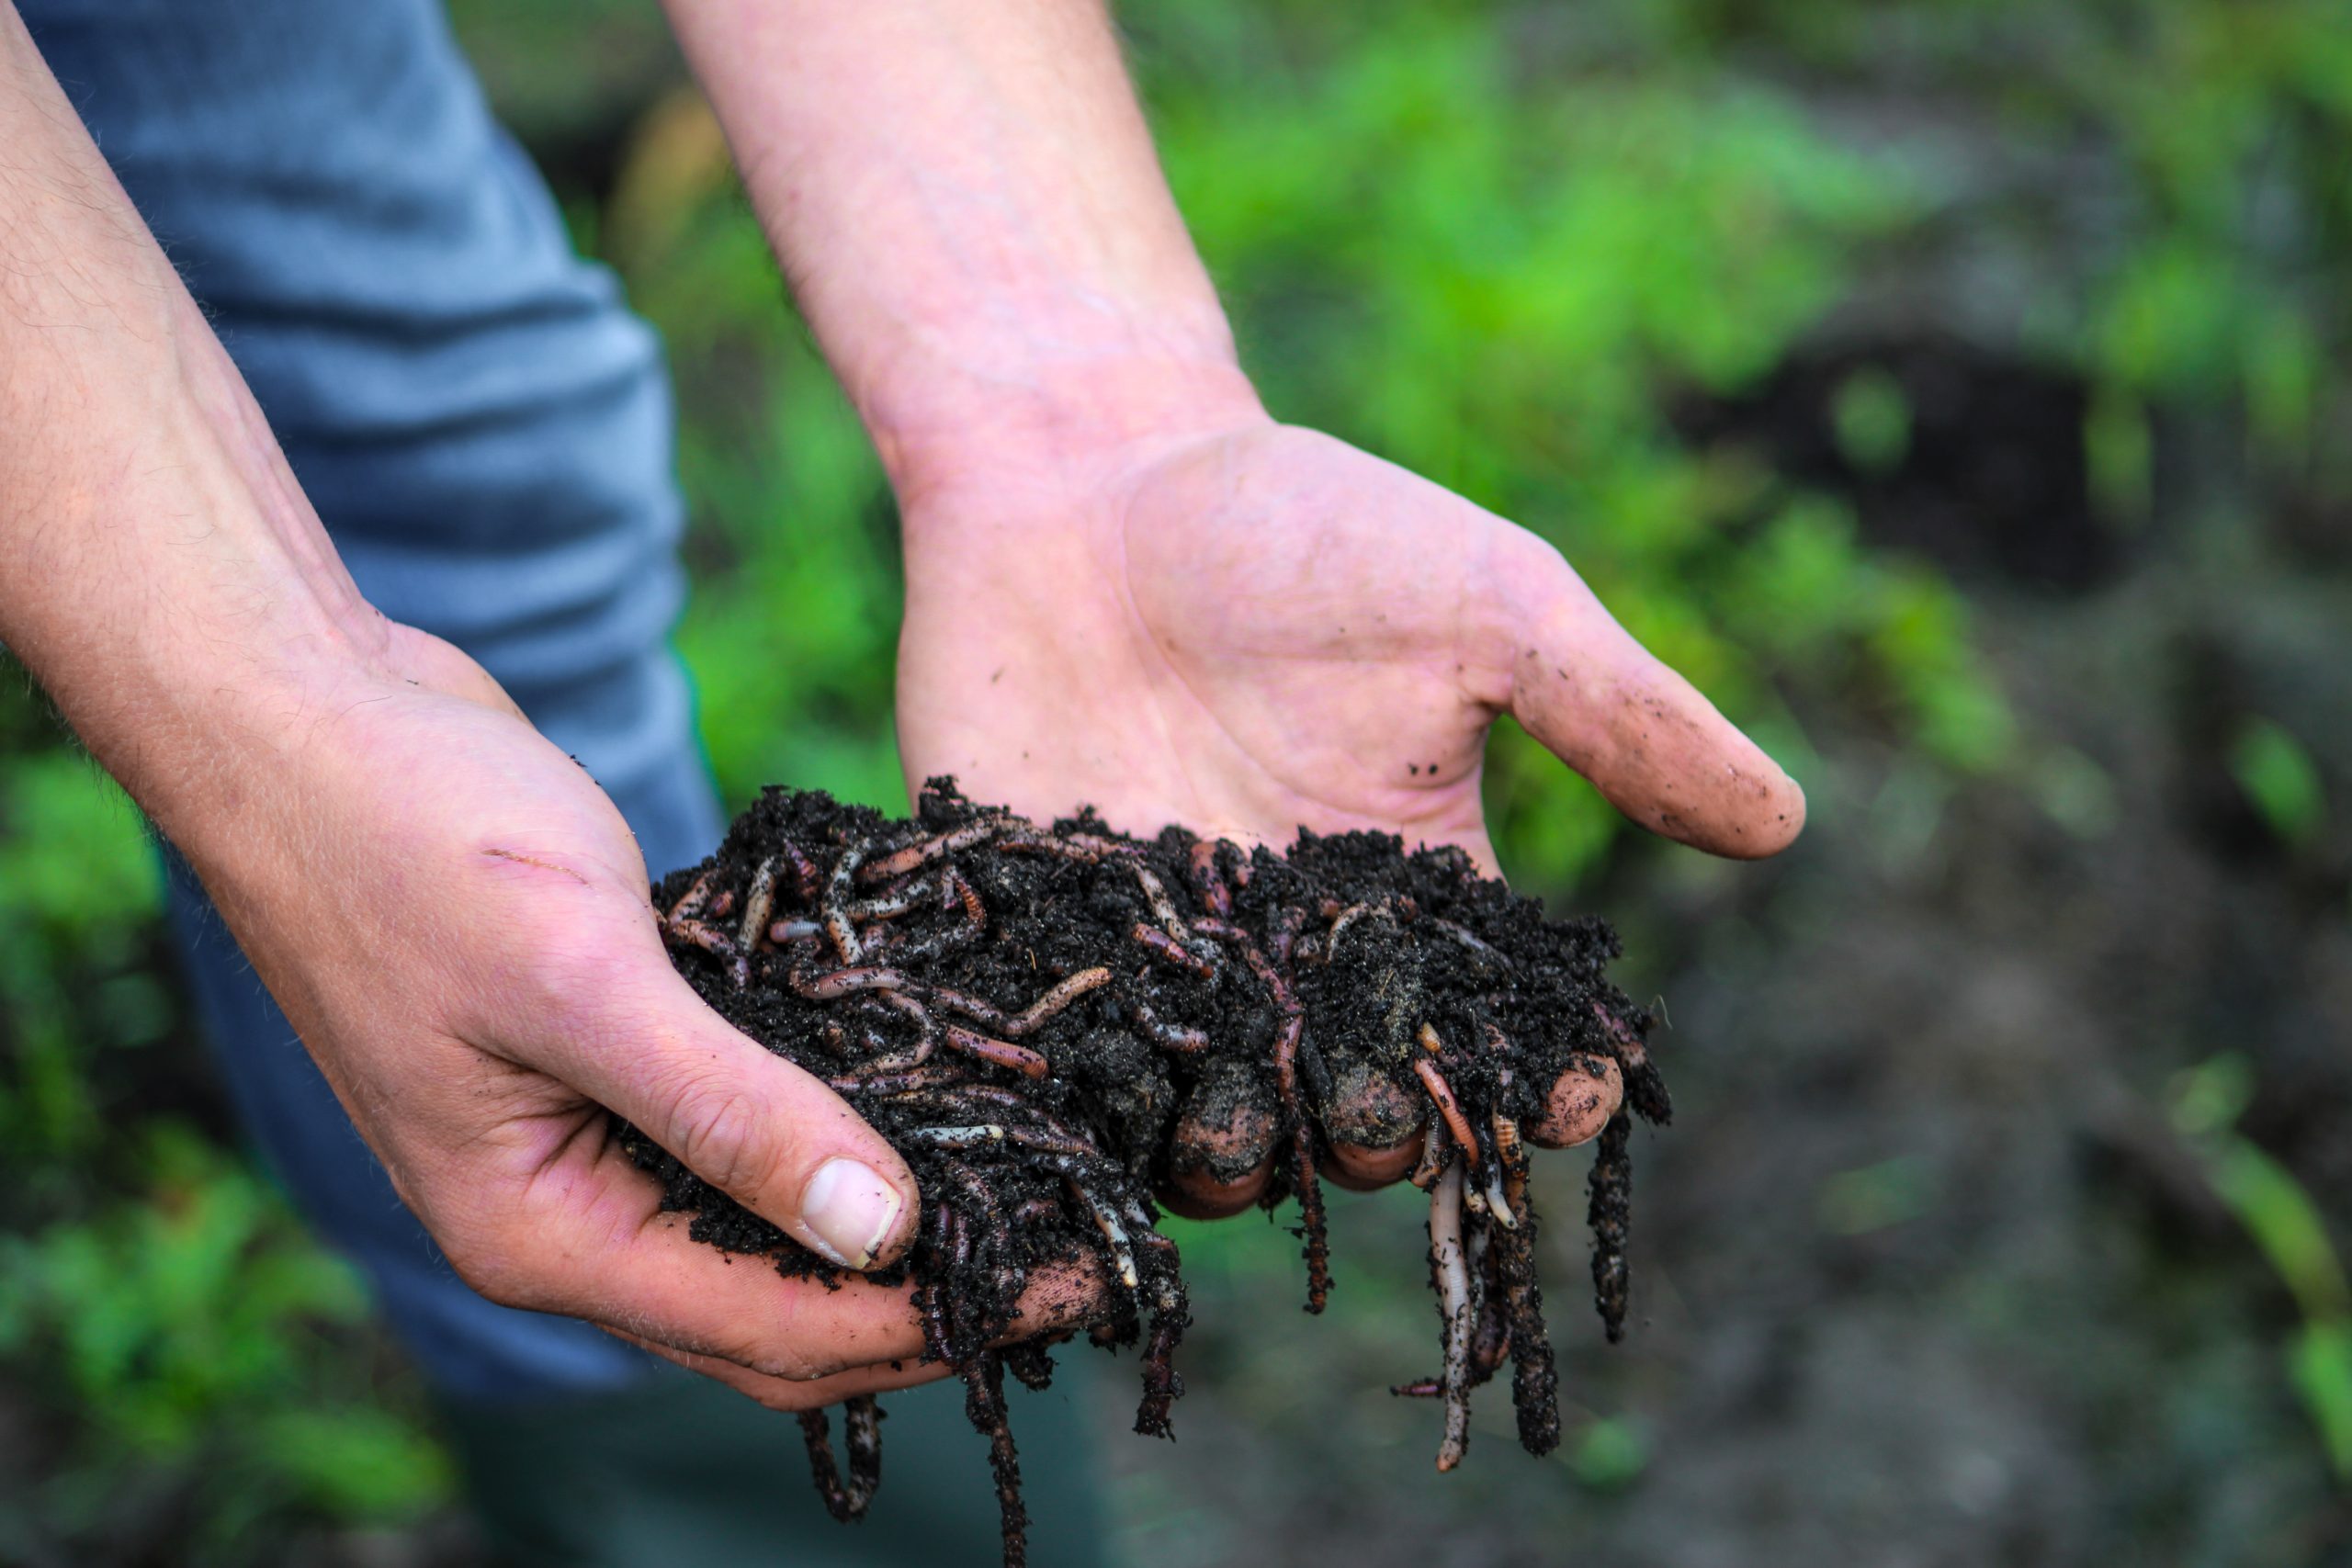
[{"x": 1057, "y": 1025}]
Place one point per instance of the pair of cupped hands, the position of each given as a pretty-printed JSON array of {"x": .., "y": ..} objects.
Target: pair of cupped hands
[{"x": 1243, "y": 629}]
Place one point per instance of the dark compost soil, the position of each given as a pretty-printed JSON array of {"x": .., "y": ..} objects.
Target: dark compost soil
[{"x": 1054, "y": 1024}]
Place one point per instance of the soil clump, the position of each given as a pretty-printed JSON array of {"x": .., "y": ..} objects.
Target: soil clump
[{"x": 1062, "y": 1028}]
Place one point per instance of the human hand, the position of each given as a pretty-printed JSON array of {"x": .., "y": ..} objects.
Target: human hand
[
  {"x": 450, "y": 912},
  {"x": 454, "y": 918},
  {"x": 1248, "y": 628},
  {"x": 1126, "y": 585},
  {"x": 1259, "y": 627}
]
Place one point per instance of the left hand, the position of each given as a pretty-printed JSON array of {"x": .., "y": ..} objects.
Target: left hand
[{"x": 1250, "y": 628}]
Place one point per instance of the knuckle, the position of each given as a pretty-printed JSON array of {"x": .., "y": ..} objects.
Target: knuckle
[{"x": 723, "y": 1134}]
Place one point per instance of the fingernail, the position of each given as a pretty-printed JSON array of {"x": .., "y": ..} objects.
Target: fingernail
[{"x": 849, "y": 1210}]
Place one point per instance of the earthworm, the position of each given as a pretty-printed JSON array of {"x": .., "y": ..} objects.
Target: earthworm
[
  {"x": 914, "y": 857},
  {"x": 1456, "y": 1122},
  {"x": 1437, "y": 1144},
  {"x": 1215, "y": 897},
  {"x": 1302, "y": 1129},
  {"x": 839, "y": 983},
  {"x": 1169, "y": 951},
  {"x": 1155, "y": 894},
  {"x": 691, "y": 901},
  {"x": 1181, "y": 1038},
  {"x": 984, "y": 1407},
  {"x": 1115, "y": 1236},
  {"x": 997, "y": 1052},
  {"x": 907, "y": 898},
  {"x": 1449, "y": 1270},
  {"x": 861, "y": 1421},
  {"x": 971, "y": 1137},
  {"x": 1029, "y": 1020},
  {"x": 759, "y": 905},
  {"x": 835, "y": 910},
  {"x": 1611, "y": 1185},
  {"x": 1060, "y": 995},
  {"x": 718, "y": 943},
  {"x": 1339, "y": 925},
  {"x": 1535, "y": 1379}
]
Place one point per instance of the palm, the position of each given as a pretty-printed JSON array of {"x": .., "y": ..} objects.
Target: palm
[{"x": 1269, "y": 629}]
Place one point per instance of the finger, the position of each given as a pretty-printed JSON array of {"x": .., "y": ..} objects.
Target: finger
[
  {"x": 1582, "y": 1101},
  {"x": 1361, "y": 1168},
  {"x": 1374, "y": 1128},
  {"x": 1221, "y": 1150},
  {"x": 1648, "y": 741},
  {"x": 783, "y": 1394},
  {"x": 589, "y": 1239},
  {"x": 815, "y": 1393},
  {"x": 1197, "y": 1195},
  {"x": 749, "y": 1122}
]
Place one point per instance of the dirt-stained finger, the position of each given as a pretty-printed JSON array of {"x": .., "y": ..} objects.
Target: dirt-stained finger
[
  {"x": 590, "y": 1240},
  {"x": 1059, "y": 1301},
  {"x": 1221, "y": 1154},
  {"x": 786, "y": 1394},
  {"x": 1645, "y": 736},
  {"x": 1374, "y": 1128},
  {"x": 1582, "y": 1101},
  {"x": 1361, "y": 1169}
]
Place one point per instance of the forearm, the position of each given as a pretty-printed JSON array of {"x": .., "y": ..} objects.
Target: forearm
[
  {"x": 967, "y": 203},
  {"x": 160, "y": 573}
]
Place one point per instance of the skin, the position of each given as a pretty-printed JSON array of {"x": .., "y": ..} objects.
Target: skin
[
  {"x": 1244, "y": 1140},
  {"x": 1126, "y": 584},
  {"x": 1579, "y": 1106}
]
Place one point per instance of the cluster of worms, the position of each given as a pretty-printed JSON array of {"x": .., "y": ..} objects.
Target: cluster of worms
[{"x": 1061, "y": 1027}]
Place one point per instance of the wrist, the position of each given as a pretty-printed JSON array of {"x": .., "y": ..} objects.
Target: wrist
[
  {"x": 1057, "y": 421},
  {"x": 179, "y": 600},
  {"x": 304, "y": 756}
]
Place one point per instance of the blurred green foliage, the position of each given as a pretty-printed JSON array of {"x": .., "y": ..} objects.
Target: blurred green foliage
[
  {"x": 1873, "y": 1196},
  {"x": 2280, "y": 781},
  {"x": 1500, "y": 283},
  {"x": 1498, "y": 243},
  {"x": 2286, "y": 1225},
  {"x": 1609, "y": 1454},
  {"x": 198, "y": 1373}
]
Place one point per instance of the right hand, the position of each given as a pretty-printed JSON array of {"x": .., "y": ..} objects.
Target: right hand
[
  {"x": 1251, "y": 628},
  {"x": 455, "y": 918}
]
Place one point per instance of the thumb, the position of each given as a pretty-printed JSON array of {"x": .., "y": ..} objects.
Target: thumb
[
  {"x": 1649, "y": 742},
  {"x": 747, "y": 1121}
]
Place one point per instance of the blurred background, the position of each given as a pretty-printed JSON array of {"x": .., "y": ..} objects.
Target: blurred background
[{"x": 1960, "y": 392}]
